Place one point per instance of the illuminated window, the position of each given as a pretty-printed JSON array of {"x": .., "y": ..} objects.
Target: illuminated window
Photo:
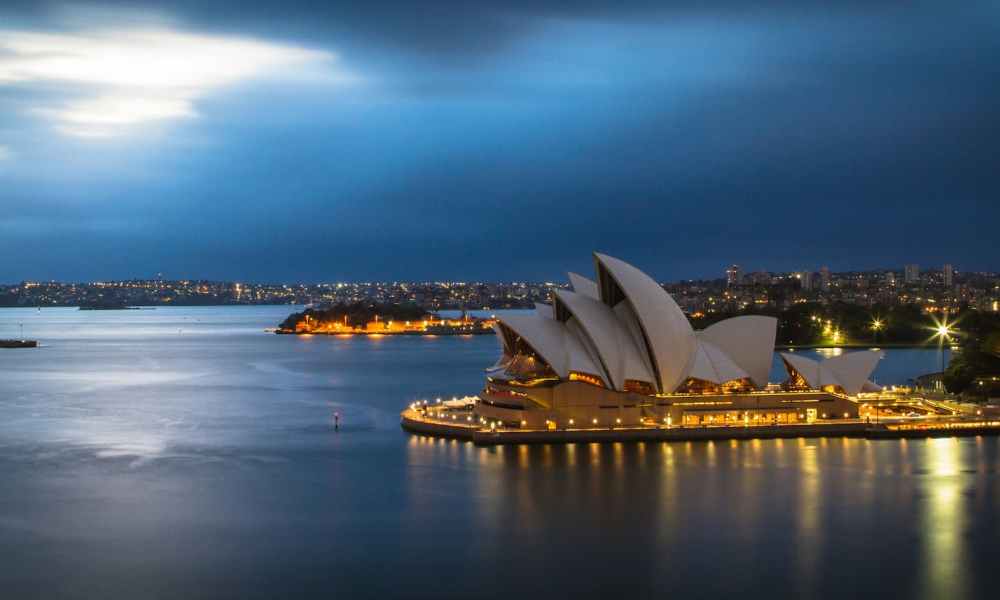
[
  {"x": 639, "y": 387},
  {"x": 586, "y": 378}
]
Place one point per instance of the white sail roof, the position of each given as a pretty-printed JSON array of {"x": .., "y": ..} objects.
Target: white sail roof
[
  {"x": 748, "y": 341},
  {"x": 670, "y": 338},
  {"x": 871, "y": 387},
  {"x": 505, "y": 353},
  {"x": 626, "y": 327},
  {"x": 582, "y": 285},
  {"x": 617, "y": 350},
  {"x": 849, "y": 371},
  {"x": 810, "y": 370},
  {"x": 712, "y": 364},
  {"x": 854, "y": 368},
  {"x": 554, "y": 343}
]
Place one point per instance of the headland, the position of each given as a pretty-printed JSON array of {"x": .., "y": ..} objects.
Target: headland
[{"x": 380, "y": 319}]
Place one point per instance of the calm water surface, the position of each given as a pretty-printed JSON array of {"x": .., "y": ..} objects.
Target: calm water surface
[{"x": 185, "y": 453}]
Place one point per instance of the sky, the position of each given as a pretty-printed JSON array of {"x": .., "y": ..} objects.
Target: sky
[{"x": 463, "y": 140}]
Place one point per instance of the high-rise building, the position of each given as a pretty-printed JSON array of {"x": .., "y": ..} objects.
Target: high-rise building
[
  {"x": 805, "y": 279},
  {"x": 824, "y": 278},
  {"x": 911, "y": 273},
  {"x": 733, "y": 276},
  {"x": 949, "y": 275}
]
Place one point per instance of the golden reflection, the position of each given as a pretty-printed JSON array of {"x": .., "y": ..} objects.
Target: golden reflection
[
  {"x": 944, "y": 521},
  {"x": 753, "y": 458},
  {"x": 669, "y": 452},
  {"x": 980, "y": 456},
  {"x": 907, "y": 460},
  {"x": 523, "y": 461},
  {"x": 809, "y": 531},
  {"x": 869, "y": 451},
  {"x": 595, "y": 453},
  {"x": 668, "y": 492},
  {"x": 944, "y": 456}
]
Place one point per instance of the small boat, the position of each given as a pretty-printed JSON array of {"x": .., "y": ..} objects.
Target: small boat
[{"x": 18, "y": 343}]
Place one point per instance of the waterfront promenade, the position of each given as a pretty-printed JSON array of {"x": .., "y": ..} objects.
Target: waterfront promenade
[{"x": 439, "y": 422}]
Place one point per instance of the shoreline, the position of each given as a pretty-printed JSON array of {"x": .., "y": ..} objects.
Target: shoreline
[
  {"x": 412, "y": 422},
  {"x": 860, "y": 345},
  {"x": 384, "y": 333}
]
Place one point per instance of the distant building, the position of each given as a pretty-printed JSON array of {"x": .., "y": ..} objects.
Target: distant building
[
  {"x": 949, "y": 275},
  {"x": 733, "y": 276},
  {"x": 911, "y": 273},
  {"x": 824, "y": 278},
  {"x": 805, "y": 280}
]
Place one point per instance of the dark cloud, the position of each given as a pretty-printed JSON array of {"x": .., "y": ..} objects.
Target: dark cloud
[
  {"x": 449, "y": 30},
  {"x": 511, "y": 139}
]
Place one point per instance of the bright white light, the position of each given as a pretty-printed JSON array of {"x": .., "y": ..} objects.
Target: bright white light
[{"x": 127, "y": 77}]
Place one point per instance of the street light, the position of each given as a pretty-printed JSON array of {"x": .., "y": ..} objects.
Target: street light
[
  {"x": 876, "y": 326},
  {"x": 943, "y": 331}
]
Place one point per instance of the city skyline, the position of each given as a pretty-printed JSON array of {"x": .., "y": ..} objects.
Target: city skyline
[
  {"x": 932, "y": 291},
  {"x": 298, "y": 142},
  {"x": 947, "y": 270}
]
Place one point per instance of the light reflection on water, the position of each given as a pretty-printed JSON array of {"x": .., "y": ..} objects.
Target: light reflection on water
[
  {"x": 835, "y": 514},
  {"x": 200, "y": 465},
  {"x": 944, "y": 520}
]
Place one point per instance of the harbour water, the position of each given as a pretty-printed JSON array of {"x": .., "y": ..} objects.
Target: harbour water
[{"x": 184, "y": 452}]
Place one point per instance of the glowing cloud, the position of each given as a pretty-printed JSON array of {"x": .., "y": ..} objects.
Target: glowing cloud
[{"x": 122, "y": 78}]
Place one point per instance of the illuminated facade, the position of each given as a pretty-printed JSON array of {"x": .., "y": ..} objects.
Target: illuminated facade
[{"x": 618, "y": 351}]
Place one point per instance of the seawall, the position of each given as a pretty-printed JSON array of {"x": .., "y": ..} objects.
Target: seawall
[{"x": 415, "y": 423}]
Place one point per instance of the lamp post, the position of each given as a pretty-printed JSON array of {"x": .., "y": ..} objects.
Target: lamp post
[
  {"x": 876, "y": 326},
  {"x": 942, "y": 331}
]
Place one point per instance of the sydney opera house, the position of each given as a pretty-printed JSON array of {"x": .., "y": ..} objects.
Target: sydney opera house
[{"x": 617, "y": 351}]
